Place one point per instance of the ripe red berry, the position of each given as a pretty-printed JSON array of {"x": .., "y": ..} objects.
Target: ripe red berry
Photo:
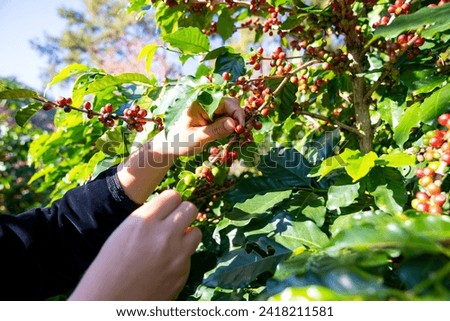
[
  {"x": 265, "y": 112},
  {"x": 423, "y": 207},
  {"x": 446, "y": 157},
  {"x": 61, "y": 101},
  {"x": 427, "y": 171},
  {"x": 257, "y": 125},
  {"x": 439, "y": 199},
  {"x": 87, "y": 105},
  {"x": 108, "y": 108},
  {"x": 402, "y": 39},
  {"x": 419, "y": 42},
  {"x": 47, "y": 106},
  {"x": 214, "y": 150},
  {"x": 434, "y": 209},
  {"x": 226, "y": 76},
  {"x": 436, "y": 142},
  {"x": 443, "y": 119},
  {"x": 422, "y": 196},
  {"x": 419, "y": 172},
  {"x": 239, "y": 129},
  {"x": 142, "y": 113}
]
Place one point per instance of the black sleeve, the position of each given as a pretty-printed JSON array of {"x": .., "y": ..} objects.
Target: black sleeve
[{"x": 43, "y": 252}]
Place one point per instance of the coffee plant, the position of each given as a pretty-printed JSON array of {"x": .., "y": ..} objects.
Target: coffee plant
[{"x": 336, "y": 188}]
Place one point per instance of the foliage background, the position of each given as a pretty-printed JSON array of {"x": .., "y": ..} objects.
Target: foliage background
[{"x": 314, "y": 210}]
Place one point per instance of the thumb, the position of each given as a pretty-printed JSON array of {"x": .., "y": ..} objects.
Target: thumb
[{"x": 221, "y": 128}]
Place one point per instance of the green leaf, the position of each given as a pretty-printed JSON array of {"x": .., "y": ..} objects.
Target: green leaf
[
  {"x": 409, "y": 120},
  {"x": 336, "y": 162},
  {"x": 348, "y": 221},
  {"x": 359, "y": 167},
  {"x": 342, "y": 195},
  {"x": 287, "y": 165},
  {"x": 17, "y": 93},
  {"x": 210, "y": 100},
  {"x": 249, "y": 187},
  {"x": 436, "y": 18},
  {"x": 262, "y": 203},
  {"x": 390, "y": 111},
  {"x": 384, "y": 198},
  {"x": 297, "y": 235},
  {"x": 232, "y": 63},
  {"x": 25, "y": 113},
  {"x": 436, "y": 228},
  {"x": 179, "y": 104},
  {"x": 189, "y": 40},
  {"x": 112, "y": 142},
  {"x": 396, "y": 159},
  {"x": 67, "y": 72},
  {"x": 213, "y": 54},
  {"x": 239, "y": 268},
  {"x": 148, "y": 52},
  {"x": 316, "y": 211},
  {"x": 309, "y": 204},
  {"x": 387, "y": 185},
  {"x": 225, "y": 24},
  {"x": 125, "y": 78},
  {"x": 386, "y": 234},
  {"x": 431, "y": 108},
  {"x": 421, "y": 80},
  {"x": 167, "y": 17},
  {"x": 287, "y": 97}
]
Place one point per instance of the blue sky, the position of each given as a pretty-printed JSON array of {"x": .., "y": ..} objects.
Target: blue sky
[{"x": 20, "y": 22}]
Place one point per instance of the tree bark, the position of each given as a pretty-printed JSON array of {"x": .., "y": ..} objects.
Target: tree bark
[{"x": 362, "y": 107}]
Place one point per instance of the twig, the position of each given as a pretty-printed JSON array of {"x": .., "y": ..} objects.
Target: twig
[{"x": 336, "y": 122}]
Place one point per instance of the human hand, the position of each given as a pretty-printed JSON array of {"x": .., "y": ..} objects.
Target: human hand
[
  {"x": 148, "y": 255},
  {"x": 195, "y": 129}
]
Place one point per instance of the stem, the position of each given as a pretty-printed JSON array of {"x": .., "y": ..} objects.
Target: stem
[
  {"x": 82, "y": 110},
  {"x": 335, "y": 122}
]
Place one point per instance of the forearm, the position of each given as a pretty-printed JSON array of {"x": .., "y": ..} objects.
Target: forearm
[
  {"x": 144, "y": 170},
  {"x": 44, "y": 251}
]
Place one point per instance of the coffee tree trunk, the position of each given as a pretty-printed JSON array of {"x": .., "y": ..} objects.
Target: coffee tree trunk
[{"x": 360, "y": 101}]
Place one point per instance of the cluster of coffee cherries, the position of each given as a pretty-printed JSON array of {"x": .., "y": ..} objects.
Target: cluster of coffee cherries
[
  {"x": 255, "y": 60},
  {"x": 436, "y": 156},
  {"x": 61, "y": 102},
  {"x": 135, "y": 117},
  {"x": 408, "y": 43},
  {"x": 399, "y": 7}
]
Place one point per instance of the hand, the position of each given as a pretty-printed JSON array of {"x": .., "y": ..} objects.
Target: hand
[
  {"x": 147, "y": 257},
  {"x": 195, "y": 129},
  {"x": 143, "y": 170}
]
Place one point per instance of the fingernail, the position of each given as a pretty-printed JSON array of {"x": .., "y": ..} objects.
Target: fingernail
[{"x": 229, "y": 125}]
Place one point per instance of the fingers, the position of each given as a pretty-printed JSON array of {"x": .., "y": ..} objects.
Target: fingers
[
  {"x": 192, "y": 239},
  {"x": 219, "y": 129},
  {"x": 182, "y": 216},
  {"x": 159, "y": 207},
  {"x": 230, "y": 107}
]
